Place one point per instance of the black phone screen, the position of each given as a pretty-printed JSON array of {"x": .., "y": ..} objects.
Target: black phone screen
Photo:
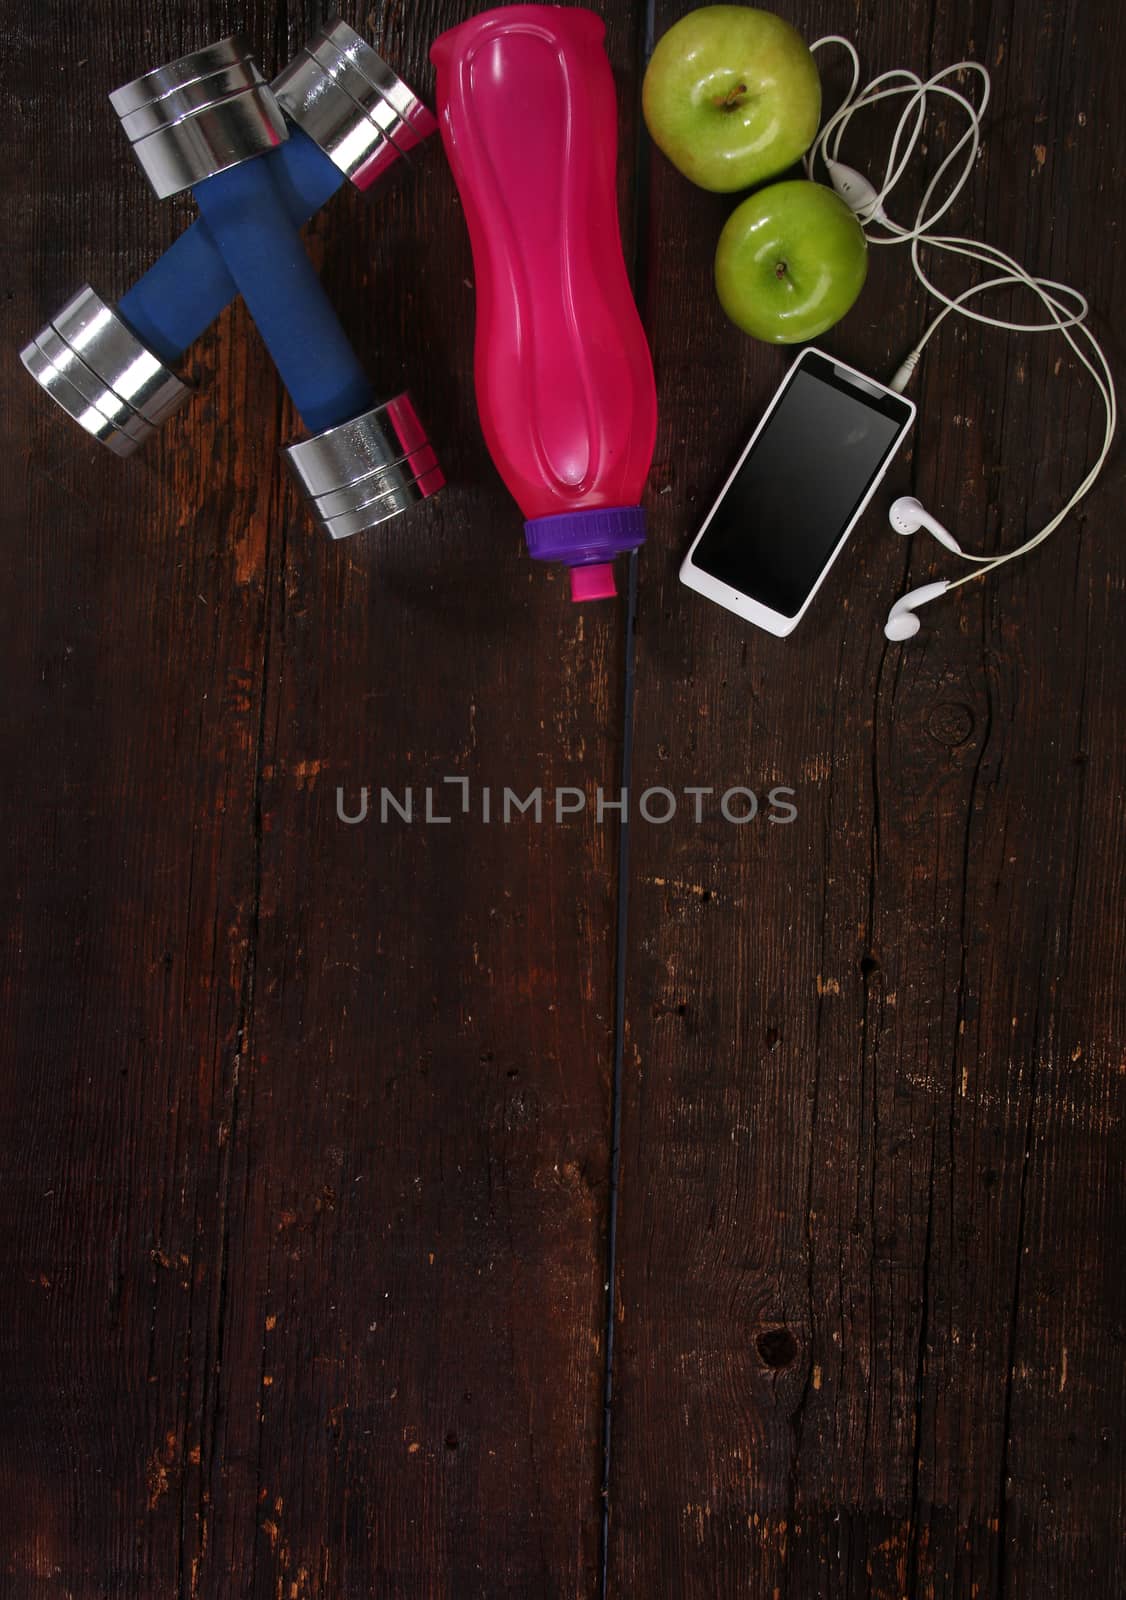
[{"x": 800, "y": 484}]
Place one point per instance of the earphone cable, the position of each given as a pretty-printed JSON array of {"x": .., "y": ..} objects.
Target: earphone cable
[{"x": 1067, "y": 309}]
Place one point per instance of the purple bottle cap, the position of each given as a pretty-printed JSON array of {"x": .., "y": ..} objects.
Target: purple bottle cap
[{"x": 587, "y": 542}]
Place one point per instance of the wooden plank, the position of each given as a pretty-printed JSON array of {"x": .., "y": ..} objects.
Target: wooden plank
[
  {"x": 304, "y": 1123},
  {"x": 872, "y": 1068},
  {"x": 134, "y": 603}
]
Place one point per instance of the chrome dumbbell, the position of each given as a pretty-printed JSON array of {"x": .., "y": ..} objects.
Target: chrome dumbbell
[{"x": 210, "y": 122}]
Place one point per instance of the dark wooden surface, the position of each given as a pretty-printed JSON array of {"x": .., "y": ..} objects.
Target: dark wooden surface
[{"x": 304, "y": 1139}]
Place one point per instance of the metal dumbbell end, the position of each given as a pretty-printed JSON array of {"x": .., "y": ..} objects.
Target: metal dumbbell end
[
  {"x": 199, "y": 115},
  {"x": 246, "y": 217},
  {"x": 95, "y": 367},
  {"x": 338, "y": 138},
  {"x": 358, "y": 119},
  {"x": 368, "y": 470},
  {"x": 345, "y": 97},
  {"x": 365, "y": 462}
]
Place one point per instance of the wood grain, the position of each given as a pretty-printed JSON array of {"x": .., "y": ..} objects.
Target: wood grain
[
  {"x": 304, "y": 1123},
  {"x": 870, "y": 1287},
  {"x": 303, "y": 1146}
]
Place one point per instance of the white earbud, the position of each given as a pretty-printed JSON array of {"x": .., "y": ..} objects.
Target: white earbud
[
  {"x": 908, "y": 515},
  {"x": 902, "y": 623},
  {"x": 855, "y": 190}
]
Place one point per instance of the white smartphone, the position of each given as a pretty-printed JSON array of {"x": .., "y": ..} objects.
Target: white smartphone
[{"x": 812, "y": 465}]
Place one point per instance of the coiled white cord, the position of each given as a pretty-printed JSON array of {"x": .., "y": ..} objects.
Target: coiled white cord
[{"x": 1066, "y": 308}]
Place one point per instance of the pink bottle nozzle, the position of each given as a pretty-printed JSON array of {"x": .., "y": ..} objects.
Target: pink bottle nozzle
[{"x": 593, "y": 583}]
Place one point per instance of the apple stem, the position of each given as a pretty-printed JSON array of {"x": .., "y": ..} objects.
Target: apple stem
[
  {"x": 780, "y": 270},
  {"x": 728, "y": 102}
]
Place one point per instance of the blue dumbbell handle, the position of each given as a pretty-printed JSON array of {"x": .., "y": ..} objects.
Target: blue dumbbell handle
[
  {"x": 243, "y": 212},
  {"x": 184, "y": 292}
]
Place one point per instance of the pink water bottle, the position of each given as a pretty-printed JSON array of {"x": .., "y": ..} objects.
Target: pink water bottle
[{"x": 565, "y": 388}]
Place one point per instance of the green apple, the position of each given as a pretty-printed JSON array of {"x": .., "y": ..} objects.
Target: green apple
[
  {"x": 732, "y": 96},
  {"x": 791, "y": 261}
]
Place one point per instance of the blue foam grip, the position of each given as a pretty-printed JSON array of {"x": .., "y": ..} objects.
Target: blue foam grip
[
  {"x": 243, "y": 211},
  {"x": 182, "y": 294}
]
